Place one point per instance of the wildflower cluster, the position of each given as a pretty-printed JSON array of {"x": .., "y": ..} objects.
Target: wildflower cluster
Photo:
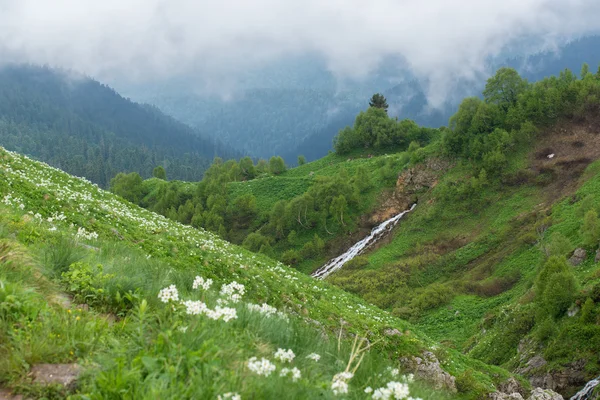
[
  {"x": 83, "y": 234},
  {"x": 261, "y": 367},
  {"x": 339, "y": 383},
  {"x": 232, "y": 396},
  {"x": 294, "y": 372},
  {"x": 314, "y": 357},
  {"x": 233, "y": 291},
  {"x": 200, "y": 282},
  {"x": 197, "y": 307},
  {"x": 267, "y": 310},
  {"x": 169, "y": 294},
  {"x": 394, "y": 390},
  {"x": 284, "y": 355}
]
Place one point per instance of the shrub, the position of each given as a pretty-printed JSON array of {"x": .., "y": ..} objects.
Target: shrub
[
  {"x": 560, "y": 293},
  {"x": 357, "y": 263},
  {"x": 590, "y": 231},
  {"x": 290, "y": 257},
  {"x": 587, "y": 311},
  {"x": 558, "y": 245},
  {"x": 433, "y": 296}
]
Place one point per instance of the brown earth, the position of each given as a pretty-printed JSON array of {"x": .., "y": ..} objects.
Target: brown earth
[{"x": 575, "y": 145}]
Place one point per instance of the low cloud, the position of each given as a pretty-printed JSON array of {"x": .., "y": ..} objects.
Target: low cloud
[{"x": 439, "y": 41}]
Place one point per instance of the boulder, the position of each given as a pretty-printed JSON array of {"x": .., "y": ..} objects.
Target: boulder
[
  {"x": 544, "y": 394},
  {"x": 62, "y": 374},
  {"x": 578, "y": 257},
  {"x": 597, "y": 259},
  {"x": 428, "y": 368},
  {"x": 511, "y": 385},
  {"x": 504, "y": 396},
  {"x": 392, "y": 332}
]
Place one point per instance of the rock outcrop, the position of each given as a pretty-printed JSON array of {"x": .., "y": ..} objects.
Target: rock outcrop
[
  {"x": 544, "y": 394},
  {"x": 428, "y": 368},
  {"x": 409, "y": 184},
  {"x": 62, "y": 374},
  {"x": 578, "y": 257}
]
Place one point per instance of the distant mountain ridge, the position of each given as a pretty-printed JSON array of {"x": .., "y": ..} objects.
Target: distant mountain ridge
[
  {"x": 302, "y": 115},
  {"x": 88, "y": 129}
]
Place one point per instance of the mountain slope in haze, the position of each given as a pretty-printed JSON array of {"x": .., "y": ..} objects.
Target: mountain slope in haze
[
  {"x": 268, "y": 114},
  {"x": 88, "y": 129}
]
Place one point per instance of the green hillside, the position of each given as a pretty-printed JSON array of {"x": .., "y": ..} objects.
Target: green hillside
[{"x": 86, "y": 278}]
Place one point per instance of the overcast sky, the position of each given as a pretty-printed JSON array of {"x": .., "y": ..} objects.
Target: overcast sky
[{"x": 149, "y": 39}]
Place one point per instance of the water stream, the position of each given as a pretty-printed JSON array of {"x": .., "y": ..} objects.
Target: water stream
[
  {"x": 587, "y": 391},
  {"x": 377, "y": 232}
]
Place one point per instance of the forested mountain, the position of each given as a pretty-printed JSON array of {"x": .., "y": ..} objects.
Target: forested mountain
[{"x": 75, "y": 123}]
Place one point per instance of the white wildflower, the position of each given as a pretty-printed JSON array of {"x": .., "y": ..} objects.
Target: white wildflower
[
  {"x": 201, "y": 282},
  {"x": 339, "y": 387},
  {"x": 194, "y": 307},
  {"x": 169, "y": 294},
  {"x": 232, "y": 396},
  {"x": 339, "y": 384},
  {"x": 314, "y": 356},
  {"x": 233, "y": 291},
  {"x": 261, "y": 367},
  {"x": 284, "y": 355},
  {"x": 393, "y": 390},
  {"x": 368, "y": 389}
]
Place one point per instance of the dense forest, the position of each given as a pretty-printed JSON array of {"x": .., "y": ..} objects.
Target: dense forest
[{"x": 86, "y": 128}]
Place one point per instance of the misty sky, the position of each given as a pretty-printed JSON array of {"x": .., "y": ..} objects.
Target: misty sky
[{"x": 151, "y": 39}]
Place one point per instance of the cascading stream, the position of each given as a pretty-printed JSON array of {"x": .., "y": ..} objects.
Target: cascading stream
[
  {"x": 587, "y": 391},
  {"x": 360, "y": 247}
]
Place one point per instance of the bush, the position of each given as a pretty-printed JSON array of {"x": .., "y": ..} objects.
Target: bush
[
  {"x": 290, "y": 257},
  {"x": 559, "y": 245},
  {"x": 590, "y": 231},
  {"x": 587, "y": 311},
  {"x": 560, "y": 293},
  {"x": 433, "y": 296},
  {"x": 359, "y": 262}
]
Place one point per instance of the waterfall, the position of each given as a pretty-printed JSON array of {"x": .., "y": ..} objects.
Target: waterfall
[
  {"x": 586, "y": 392},
  {"x": 359, "y": 247}
]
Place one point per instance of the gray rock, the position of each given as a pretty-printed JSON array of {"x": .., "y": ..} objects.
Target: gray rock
[
  {"x": 511, "y": 385},
  {"x": 544, "y": 394},
  {"x": 597, "y": 259},
  {"x": 578, "y": 257},
  {"x": 428, "y": 368},
  {"x": 504, "y": 396},
  {"x": 62, "y": 374},
  {"x": 392, "y": 332}
]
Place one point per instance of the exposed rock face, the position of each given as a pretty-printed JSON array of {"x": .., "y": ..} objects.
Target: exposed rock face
[
  {"x": 512, "y": 386},
  {"x": 410, "y": 182},
  {"x": 428, "y": 368},
  {"x": 578, "y": 257},
  {"x": 544, "y": 394},
  {"x": 62, "y": 374},
  {"x": 572, "y": 376}
]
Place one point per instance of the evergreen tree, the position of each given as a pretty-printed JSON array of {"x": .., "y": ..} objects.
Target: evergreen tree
[{"x": 379, "y": 101}]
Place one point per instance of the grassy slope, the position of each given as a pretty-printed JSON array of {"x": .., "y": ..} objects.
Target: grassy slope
[
  {"x": 454, "y": 243},
  {"x": 153, "y": 350}
]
